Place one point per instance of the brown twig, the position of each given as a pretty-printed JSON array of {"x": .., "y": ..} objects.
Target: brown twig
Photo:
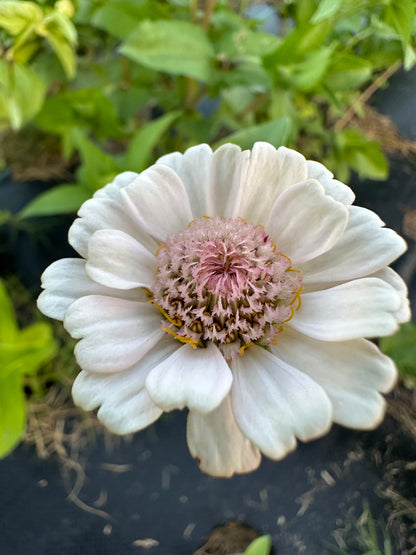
[
  {"x": 209, "y": 9},
  {"x": 366, "y": 95}
]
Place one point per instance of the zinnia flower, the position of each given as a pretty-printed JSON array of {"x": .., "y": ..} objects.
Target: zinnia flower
[{"x": 239, "y": 284}]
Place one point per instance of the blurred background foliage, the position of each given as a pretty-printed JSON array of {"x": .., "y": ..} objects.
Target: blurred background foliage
[
  {"x": 90, "y": 88},
  {"x": 117, "y": 83}
]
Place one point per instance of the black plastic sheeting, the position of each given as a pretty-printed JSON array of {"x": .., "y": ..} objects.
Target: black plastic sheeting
[{"x": 160, "y": 495}]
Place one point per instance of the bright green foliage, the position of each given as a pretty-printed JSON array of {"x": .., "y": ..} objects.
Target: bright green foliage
[
  {"x": 16, "y": 105},
  {"x": 175, "y": 47},
  {"x": 401, "y": 347},
  {"x": 138, "y": 153},
  {"x": 22, "y": 352},
  {"x": 29, "y": 24},
  {"x": 154, "y": 76},
  {"x": 260, "y": 546},
  {"x": 61, "y": 199}
]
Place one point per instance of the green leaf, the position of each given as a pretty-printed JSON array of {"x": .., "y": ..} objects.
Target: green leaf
[
  {"x": 21, "y": 352},
  {"x": 16, "y": 16},
  {"x": 62, "y": 36},
  {"x": 8, "y": 322},
  {"x": 347, "y": 72},
  {"x": 307, "y": 74},
  {"x": 243, "y": 42},
  {"x": 260, "y": 546},
  {"x": 138, "y": 154},
  {"x": 32, "y": 347},
  {"x": 400, "y": 14},
  {"x": 12, "y": 412},
  {"x": 86, "y": 107},
  {"x": 274, "y": 132},
  {"x": 120, "y": 17},
  {"x": 62, "y": 199},
  {"x": 302, "y": 40},
  {"x": 22, "y": 93},
  {"x": 409, "y": 57},
  {"x": 364, "y": 156},
  {"x": 97, "y": 168},
  {"x": 326, "y": 9},
  {"x": 175, "y": 47},
  {"x": 401, "y": 347}
]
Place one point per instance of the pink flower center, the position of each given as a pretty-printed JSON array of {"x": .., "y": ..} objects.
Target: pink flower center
[{"x": 222, "y": 280}]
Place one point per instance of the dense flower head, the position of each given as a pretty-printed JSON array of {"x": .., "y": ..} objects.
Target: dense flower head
[
  {"x": 239, "y": 284},
  {"x": 222, "y": 280}
]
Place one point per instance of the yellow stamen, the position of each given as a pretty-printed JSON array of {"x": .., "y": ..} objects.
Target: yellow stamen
[
  {"x": 291, "y": 315},
  {"x": 191, "y": 342},
  {"x": 287, "y": 258},
  {"x": 297, "y": 297},
  {"x": 242, "y": 219},
  {"x": 165, "y": 314},
  {"x": 160, "y": 248},
  {"x": 244, "y": 347},
  {"x": 149, "y": 294}
]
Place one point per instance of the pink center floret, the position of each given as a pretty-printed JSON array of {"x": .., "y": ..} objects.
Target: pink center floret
[{"x": 223, "y": 280}]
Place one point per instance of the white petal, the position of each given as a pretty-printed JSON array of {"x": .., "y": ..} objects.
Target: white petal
[
  {"x": 193, "y": 167},
  {"x": 333, "y": 187},
  {"x": 65, "y": 281},
  {"x": 274, "y": 403},
  {"x": 365, "y": 247},
  {"x": 115, "y": 333},
  {"x": 361, "y": 308},
  {"x": 112, "y": 190},
  {"x": 351, "y": 372},
  {"x": 125, "y": 403},
  {"x": 117, "y": 260},
  {"x": 388, "y": 275},
  {"x": 158, "y": 200},
  {"x": 195, "y": 378},
  {"x": 107, "y": 211},
  {"x": 212, "y": 180},
  {"x": 227, "y": 171},
  {"x": 304, "y": 222},
  {"x": 270, "y": 172},
  {"x": 217, "y": 444}
]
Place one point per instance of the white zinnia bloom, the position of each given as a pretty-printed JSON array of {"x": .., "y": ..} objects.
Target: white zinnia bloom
[{"x": 239, "y": 284}]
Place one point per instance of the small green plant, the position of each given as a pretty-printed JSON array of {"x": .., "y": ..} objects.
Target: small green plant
[
  {"x": 260, "y": 546},
  {"x": 22, "y": 354},
  {"x": 367, "y": 539}
]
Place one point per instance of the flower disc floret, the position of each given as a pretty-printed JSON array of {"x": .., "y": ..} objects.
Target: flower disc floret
[{"x": 223, "y": 280}]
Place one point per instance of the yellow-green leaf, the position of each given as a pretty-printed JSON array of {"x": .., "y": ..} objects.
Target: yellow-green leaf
[
  {"x": 16, "y": 16},
  {"x": 12, "y": 412},
  {"x": 22, "y": 93}
]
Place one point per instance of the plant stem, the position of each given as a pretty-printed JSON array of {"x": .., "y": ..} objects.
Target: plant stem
[
  {"x": 366, "y": 95},
  {"x": 209, "y": 9}
]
